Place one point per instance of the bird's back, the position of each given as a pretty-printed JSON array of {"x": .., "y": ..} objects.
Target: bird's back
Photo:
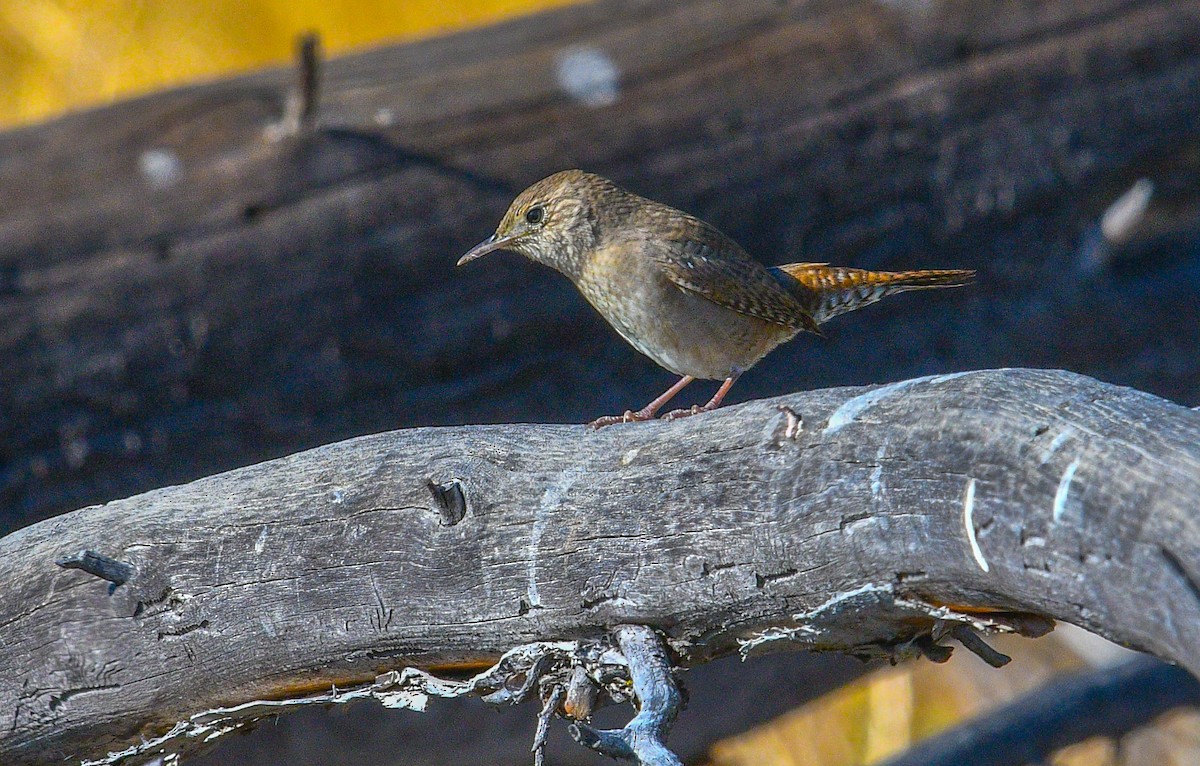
[{"x": 698, "y": 258}]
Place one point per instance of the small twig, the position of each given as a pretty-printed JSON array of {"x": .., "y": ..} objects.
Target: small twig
[
  {"x": 582, "y": 693},
  {"x": 549, "y": 706},
  {"x": 532, "y": 676},
  {"x": 308, "y": 55},
  {"x": 300, "y": 106},
  {"x": 116, "y": 572},
  {"x": 658, "y": 698},
  {"x": 793, "y": 423},
  {"x": 971, "y": 641},
  {"x": 533, "y": 663}
]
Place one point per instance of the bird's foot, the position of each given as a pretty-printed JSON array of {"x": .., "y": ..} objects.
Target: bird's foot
[
  {"x": 695, "y": 409},
  {"x": 629, "y": 417}
]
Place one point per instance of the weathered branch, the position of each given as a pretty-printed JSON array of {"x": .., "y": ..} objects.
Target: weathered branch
[
  {"x": 859, "y": 520},
  {"x": 1103, "y": 702}
]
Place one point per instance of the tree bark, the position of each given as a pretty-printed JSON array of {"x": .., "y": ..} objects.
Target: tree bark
[
  {"x": 185, "y": 288},
  {"x": 868, "y": 521}
]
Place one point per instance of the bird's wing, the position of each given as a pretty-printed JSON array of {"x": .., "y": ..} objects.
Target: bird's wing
[{"x": 715, "y": 267}]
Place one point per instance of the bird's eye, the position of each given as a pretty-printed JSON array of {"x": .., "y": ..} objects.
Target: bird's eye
[{"x": 534, "y": 215}]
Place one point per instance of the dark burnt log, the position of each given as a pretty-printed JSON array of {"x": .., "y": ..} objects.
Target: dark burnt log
[{"x": 188, "y": 284}]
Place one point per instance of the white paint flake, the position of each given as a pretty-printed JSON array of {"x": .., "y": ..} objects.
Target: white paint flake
[
  {"x": 1057, "y": 442},
  {"x": 1064, "y": 490},
  {"x": 852, "y": 408},
  {"x": 551, "y": 499},
  {"x": 969, "y": 525},
  {"x": 979, "y": 621},
  {"x": 408, "y": 688},
  {"x": 630, "y": 456},
  {"x": 877, "y": 487},
  {"x": 833, "y": 603}
]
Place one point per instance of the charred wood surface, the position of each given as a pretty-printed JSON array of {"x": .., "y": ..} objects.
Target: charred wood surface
[{"x": 198, "y": 279}]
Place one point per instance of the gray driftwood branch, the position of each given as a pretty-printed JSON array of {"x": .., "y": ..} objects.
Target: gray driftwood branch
[{"x": 869, "y": 520}]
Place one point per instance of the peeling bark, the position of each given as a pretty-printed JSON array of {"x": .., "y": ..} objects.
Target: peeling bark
[{"x": 840, "y": 519}]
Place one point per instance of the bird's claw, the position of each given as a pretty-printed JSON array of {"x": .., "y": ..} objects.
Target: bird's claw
[
  {"x": 629, "y": 417},
  {"x": 695, "y": 409}
]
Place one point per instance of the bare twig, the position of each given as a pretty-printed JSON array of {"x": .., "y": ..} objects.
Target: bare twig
[
  {"x": 971, "y": 641},
  {"x": 300, "y": 104},
  {"x": 549, "y": 707}
]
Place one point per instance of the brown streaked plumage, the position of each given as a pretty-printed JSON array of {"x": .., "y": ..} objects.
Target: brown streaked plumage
[{"x": 675, "y": 287}]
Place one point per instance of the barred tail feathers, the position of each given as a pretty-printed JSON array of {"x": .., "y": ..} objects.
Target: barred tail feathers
[{"x": 828, "y": 291}]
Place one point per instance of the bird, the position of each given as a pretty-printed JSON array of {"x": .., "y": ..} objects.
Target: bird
[{"x": 675, "y": 287}]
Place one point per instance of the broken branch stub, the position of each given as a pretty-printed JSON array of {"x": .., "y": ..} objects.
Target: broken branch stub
[{"x": 997, "y": 500}]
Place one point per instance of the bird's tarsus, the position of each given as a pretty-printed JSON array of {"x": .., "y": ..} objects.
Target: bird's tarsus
[
  {"x": 646, "y": 413},
  {"x": 713, "y": 403}
]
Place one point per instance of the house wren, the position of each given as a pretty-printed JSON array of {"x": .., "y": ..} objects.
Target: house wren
[{"x": 676, "y": 288}]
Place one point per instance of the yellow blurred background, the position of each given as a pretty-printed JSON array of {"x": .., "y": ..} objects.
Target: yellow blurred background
[
  {"x": 890, "y": 709},
  {"x": 60, "y": 55}
]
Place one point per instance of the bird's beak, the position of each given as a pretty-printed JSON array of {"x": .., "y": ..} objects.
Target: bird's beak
[{"x": 494, "y": 242}]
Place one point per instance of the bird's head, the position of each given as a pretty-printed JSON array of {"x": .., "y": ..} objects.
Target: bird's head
[{"x": 553, "y": 222}]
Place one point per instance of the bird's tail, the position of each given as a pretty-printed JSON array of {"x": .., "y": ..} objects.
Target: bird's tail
[{"x": 827, "y": 291}]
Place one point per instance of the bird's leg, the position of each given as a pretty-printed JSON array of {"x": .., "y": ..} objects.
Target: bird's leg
[
  {"x": 646, "y": 413},
  {"x": 713, "y": 403}
]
